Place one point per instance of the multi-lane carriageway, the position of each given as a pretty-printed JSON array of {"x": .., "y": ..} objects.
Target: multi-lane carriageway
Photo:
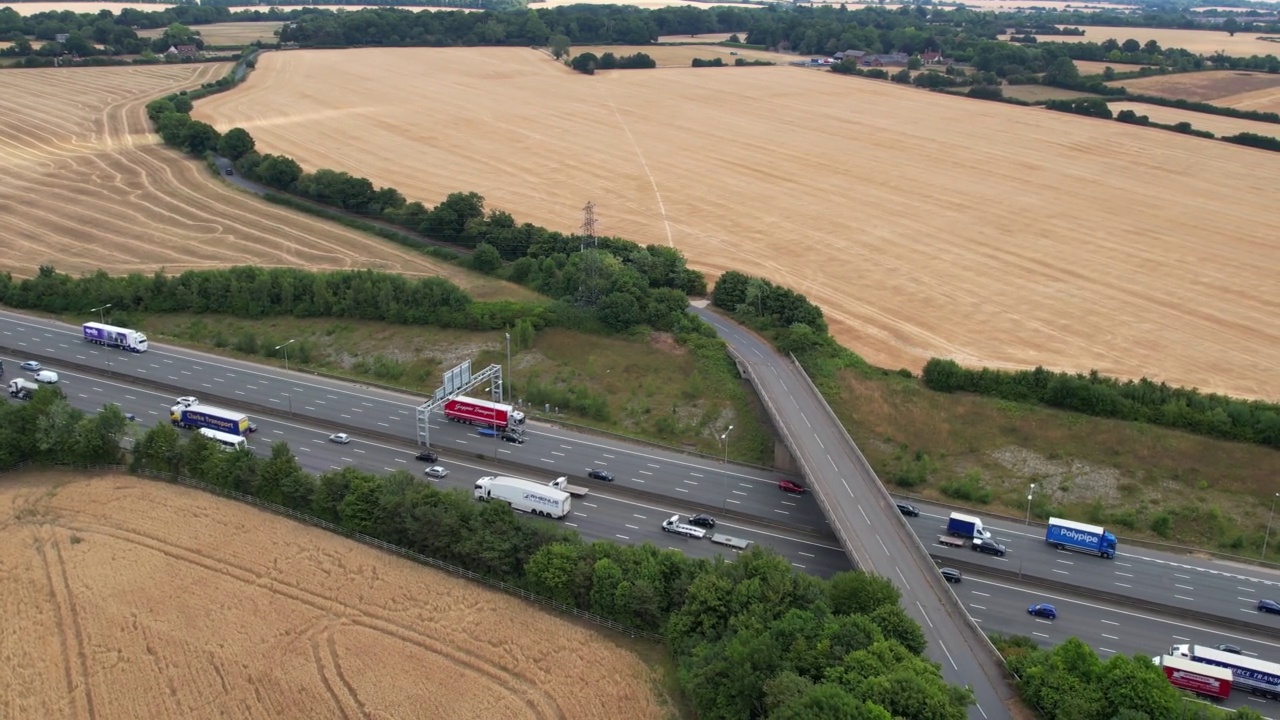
[{"x": 681, "y": 483}]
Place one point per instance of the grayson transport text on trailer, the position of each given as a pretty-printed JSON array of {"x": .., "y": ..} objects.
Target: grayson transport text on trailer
[
  {"x": 208, "y": 416},
  {"x": 1072, "y": 535},
  {"x": 113, "y": 336},
  {"x": 484, "y": 412},
  {"x": 1247, "y": 673},
  {"x": 524, "y": 495}
]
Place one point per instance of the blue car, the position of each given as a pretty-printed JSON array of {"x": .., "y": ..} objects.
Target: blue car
[
  {"x": 1043, "y": 610},
  {"x": 1269, "y": 606}
]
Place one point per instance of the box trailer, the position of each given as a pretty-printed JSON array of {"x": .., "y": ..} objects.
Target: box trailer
[
  {"x": 524, "y": 495},
  {"x": 483, "y": 412},
  {"x": 1247, "y": 673},
  {"x": 1209, "y": 681},
  {"x": 1072, "y": 535},
  {"x": 961, "y": 525},
  {"x": 210, "y": 417},
  {"x": 113, "y": 336}
]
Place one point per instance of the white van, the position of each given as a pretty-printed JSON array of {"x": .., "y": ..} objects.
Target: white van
[
  {"x": 226, "y": 441},
  {"x": 46, "y": 376}
]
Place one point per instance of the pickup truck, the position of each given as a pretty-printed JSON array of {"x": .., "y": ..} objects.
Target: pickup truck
[{"x": 673, "y": 525}]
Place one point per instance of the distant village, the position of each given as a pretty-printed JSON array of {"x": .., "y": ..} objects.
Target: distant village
[{"x": 875, "y": 60}]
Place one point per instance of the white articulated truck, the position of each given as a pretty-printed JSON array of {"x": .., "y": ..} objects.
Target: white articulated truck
[
  {"x": 523, "y": 495},
  {"x": 113, "y": 336},
  {"x": 673, "y": 525},
  {"x": 22, "y": 389}
]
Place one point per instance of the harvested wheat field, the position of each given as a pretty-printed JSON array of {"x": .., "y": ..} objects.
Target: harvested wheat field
[
  {"x": 85, "y": 184},
  {"x": 1217, "y": 124},
  {"x": 129, "y": 598},
  {"x": 1018, "y": 237},
  {"x": 1210, "y": 86},
  {"x": 682, "y": 55},
  {"x": 228, "y": 33},
  {"x": 1201, "y": 42}
]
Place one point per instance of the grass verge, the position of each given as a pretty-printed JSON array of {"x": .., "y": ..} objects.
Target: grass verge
[
  {"x": 648, "y": 387},
  {"x": 1136, "y": 479}
]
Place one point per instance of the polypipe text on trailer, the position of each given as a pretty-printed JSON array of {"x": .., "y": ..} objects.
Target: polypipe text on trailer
[{"x": 113, "y": 336}]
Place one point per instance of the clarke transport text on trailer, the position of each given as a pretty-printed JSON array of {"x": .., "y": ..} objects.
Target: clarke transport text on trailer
[
  {"x": 1202, "y": 679},
  {"x": 1247, "y": 673},
  {"x": 484, "y": 412},
  {"x": 113, "y": 336},
  {"x": 208, "y": 416},
  {"x": 524, "y": 495},
  {"x": 1079, "y": 536}
]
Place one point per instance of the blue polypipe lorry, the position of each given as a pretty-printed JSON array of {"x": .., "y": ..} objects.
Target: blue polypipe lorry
[{"x": 1072, "y": 535}]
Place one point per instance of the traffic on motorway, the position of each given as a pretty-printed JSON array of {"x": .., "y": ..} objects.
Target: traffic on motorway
[
  {"x": 598, "y": 515},
  {"x": 344, "y": 406},
  {"x": 1192, "y": 585},
  {"x": 1109, "y": 628}
]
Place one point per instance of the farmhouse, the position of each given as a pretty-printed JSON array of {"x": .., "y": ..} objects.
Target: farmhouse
[
  {"x": 897, "y": 58},
  {"x": 934, "y": 58},
  {"x": 183, "y": 51}
]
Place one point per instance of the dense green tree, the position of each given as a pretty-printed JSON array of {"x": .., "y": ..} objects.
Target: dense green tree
[
  {"x": 199, "y": 138},
  {"x": 235, "y": 144},
  {"x": 486, "y": 259},
  {"x": 859, "y": 593}
]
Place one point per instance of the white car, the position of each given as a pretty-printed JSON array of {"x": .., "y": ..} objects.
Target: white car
[
  {"x": 187, "y": 401},
  {"x": 47, "y": 376},
  {"x": 435, "y": 471},
  {"x": 340, "y": 438}
]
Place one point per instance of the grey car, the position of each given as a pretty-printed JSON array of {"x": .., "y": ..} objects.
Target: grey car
[{"x": 991, "y": 547}]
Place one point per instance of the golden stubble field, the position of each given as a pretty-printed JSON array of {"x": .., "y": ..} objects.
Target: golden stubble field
[
  {"x": 228, "y": 33},
  {"x": 1202, "y": 42},
  {"x": 128, "y": 598},
  {"x": 1230, "y": 88},
  {"x": 85, "y": 184},
  {"x": 1017, "y": 237}
]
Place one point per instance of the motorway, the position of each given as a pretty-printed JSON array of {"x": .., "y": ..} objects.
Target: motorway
[
  {"x": 867, "y": 522},
  {"x": 704, "y": 483},
  {"x": 600, "y": 515},
  {"x": 1179, "y": 584},
  {"x": 1109, "y": 628}
]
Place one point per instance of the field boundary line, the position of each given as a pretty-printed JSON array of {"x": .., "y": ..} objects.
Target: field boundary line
[{"x": 351, "y": 535}]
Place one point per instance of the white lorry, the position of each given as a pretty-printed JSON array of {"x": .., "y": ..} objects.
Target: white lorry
[
  {"x": 673, "y": 525},
  {"x": 22, "y": 389},
  {"x": 524, "y": 495},
  {"x": 562, "y": 483},
  {"x": 113, "y": 336}
]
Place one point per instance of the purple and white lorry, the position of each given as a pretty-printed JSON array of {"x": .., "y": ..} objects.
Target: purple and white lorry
[{"x": 113, "y": 336}]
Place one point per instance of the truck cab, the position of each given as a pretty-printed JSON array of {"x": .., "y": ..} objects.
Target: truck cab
[{"x": 673, "y": 525}]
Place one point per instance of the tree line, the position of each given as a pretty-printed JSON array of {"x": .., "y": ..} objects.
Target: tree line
[
  {"x": 752, "y": 638},
  {"x": 102, "y": 34},
  {"x": 1213, "y": 415},
  {"x": 1070, "y": 682},
  {"x": 587, "y": 62},
  {"x": 598, "y": 283}
]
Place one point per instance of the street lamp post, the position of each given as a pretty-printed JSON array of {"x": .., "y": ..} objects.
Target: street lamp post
[
  {"x": 285, "y": 347},
  {"x": 724, "y": 500},
  {"x": 101, "y": 317},
  {"x": 1030, "y": 493},
  {"x": 1269, "y": 519}
]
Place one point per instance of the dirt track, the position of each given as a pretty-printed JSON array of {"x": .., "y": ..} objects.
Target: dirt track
[
  {"x": 127, "y": 598},
  {"x": 923, "y": 224}
]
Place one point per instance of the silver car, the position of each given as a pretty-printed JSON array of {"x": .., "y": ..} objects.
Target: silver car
[{"x": 435, "y": 471}]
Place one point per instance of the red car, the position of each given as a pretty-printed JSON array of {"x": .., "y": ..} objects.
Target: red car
[{"x": 788, "y": 486}]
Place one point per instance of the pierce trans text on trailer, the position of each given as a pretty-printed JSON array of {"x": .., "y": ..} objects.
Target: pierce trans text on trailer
[
  {"x": 113, "y": 336},
  {"x": 1205, "y": 680},
  {"x": 1247, "y": 673},
  {"x": 484, "y": 412}
]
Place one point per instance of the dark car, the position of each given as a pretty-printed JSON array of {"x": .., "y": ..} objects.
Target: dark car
[
  {"x": 513, "y": 437},
  {"x": 788, "y": 486},
  {"x": 1269, "y": 606},
  {"x": 908, "y": 509},
  {"x": 951, "y": 575},
  {"x": 231, "y": 171},
  {"x": 1229, "y": 648},
  {"x": 600, "y": 475},
  {"x": 991, "y": 547},
  {"x": 703, "y": 520},
  {"x": 426, "y": 456},
  {"x": 253, "y": 427},
  {"x": 1044, "y": 610}
]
